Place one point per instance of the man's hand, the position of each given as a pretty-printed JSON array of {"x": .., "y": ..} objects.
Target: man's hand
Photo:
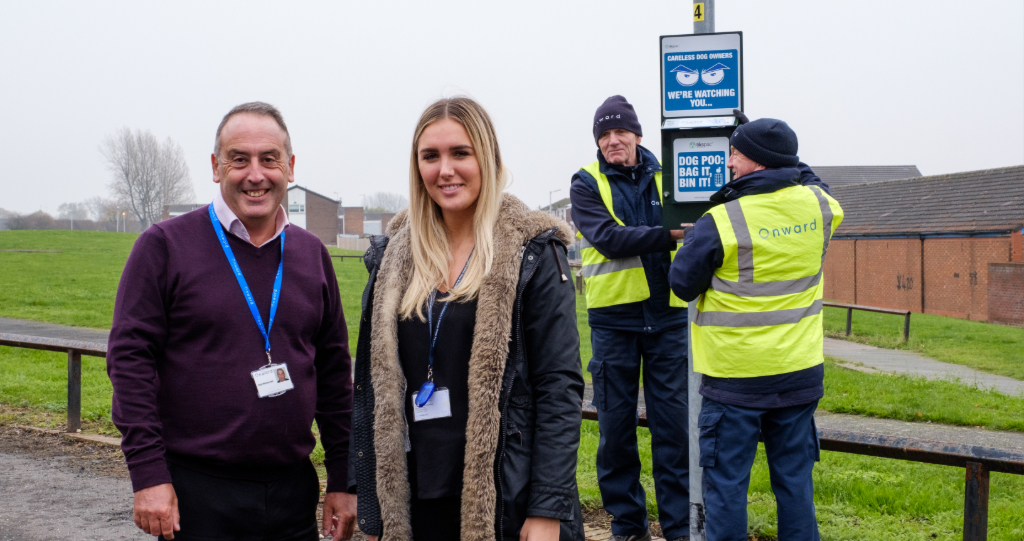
[
  {"x": 680, "y": 234},
  {"x": 156, "y": 511},
  {"x": 539, "y": 529},
  {"x": 339, "y": 515}
]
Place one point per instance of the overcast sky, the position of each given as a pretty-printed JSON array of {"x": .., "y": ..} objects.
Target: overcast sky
[{"x": 937, "y": 84}]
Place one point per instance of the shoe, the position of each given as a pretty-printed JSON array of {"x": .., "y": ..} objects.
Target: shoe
[{"x": 646, "y": 536}]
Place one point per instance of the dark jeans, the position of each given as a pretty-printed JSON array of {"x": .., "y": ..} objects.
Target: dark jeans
[
  {"x": 616, "y": 370},
  {"x": 215, "y": 508},
  {"x": 728, "y": 443}
]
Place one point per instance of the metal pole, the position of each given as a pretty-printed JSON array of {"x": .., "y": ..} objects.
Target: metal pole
[
  {"x": 74, "y": 390},
  {"x": 703, "y": 23},
  {"x": 550, "y": 210},
  {"x": 976, "y": 502}
]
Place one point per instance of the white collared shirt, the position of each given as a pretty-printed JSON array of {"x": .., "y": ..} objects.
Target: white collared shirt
[{"x": 235, "y": 226}]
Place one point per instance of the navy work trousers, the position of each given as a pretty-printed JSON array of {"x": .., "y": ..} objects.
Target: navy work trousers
[
  {"x": 728, "y": 443},
  {"x": 616, "y": 371}
]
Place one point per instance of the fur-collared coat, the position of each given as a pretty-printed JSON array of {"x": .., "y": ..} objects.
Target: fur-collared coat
[{"x": 525, "y": 386}]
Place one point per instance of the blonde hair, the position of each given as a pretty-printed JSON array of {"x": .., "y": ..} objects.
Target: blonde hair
[{"x": 431, "y": 253}]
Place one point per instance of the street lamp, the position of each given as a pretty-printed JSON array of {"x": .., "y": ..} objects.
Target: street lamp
[{"x": 551, "y": 210}]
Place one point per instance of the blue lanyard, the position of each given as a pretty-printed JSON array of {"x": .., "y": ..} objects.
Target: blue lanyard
[
  {"x": 245, "y": 287},
  {"x": 427, "y": 388}
]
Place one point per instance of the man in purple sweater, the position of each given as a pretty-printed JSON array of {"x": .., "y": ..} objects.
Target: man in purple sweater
[{"x": 211, "y": 307}]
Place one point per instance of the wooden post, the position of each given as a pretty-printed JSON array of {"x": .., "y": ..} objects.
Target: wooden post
[
  {"x": 906, "y": 328},
  {"x": 74, "y": 390},
  {"x": 976, "y": 502},
  {"x": 849, "y": 320}
]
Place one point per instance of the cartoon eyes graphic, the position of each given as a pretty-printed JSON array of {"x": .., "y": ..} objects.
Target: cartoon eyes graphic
[
  {"x": 711, "y": 76},
  {"x": 685, "y": 76}
]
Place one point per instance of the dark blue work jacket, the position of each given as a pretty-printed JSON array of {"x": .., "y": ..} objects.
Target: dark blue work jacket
[{"x": 636, "y": 202}]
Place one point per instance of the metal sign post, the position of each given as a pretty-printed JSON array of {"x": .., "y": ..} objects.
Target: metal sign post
[{"x": 701, "y": 84}]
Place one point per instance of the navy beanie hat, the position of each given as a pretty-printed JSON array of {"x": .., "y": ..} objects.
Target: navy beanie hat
[
  {"x": 616, "y": 112},
  {"x": 767, "y": 141}
]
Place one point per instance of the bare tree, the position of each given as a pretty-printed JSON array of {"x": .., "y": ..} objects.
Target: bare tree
[
  {"x": 147, "y": 174},
  {"x": 385, "y": 202},
  {"x": 101, "y": 209}
]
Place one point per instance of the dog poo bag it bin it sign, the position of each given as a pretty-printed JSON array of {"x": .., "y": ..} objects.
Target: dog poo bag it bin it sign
[
  {"x": 699, "y": 167},
  {"x": 701, "y": 75}
]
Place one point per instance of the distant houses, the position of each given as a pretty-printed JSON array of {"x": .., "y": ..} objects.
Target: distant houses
[{"x": 949, "y": 245}]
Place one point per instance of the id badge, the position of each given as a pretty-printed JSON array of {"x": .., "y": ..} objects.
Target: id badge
[
  {"x": 435, "y": 408},
  {"x": 272, "y": 380}
]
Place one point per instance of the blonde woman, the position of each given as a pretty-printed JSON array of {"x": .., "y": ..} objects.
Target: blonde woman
[{"x": 468, "y": 379}]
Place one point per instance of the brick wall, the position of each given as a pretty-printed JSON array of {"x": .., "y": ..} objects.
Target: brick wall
[
  {"x": 1006, "y": 293},
  {"x": 322, "y": 218},
  {"x": 838, "y": 272},
  {"x": 1017, "y": 246},
  {"x": 888, "y": 273},
  {"x": 353, "y": 221}
]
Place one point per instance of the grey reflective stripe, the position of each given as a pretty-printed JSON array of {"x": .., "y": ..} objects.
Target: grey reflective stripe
[
  {"x": 584, "y": 243},
  {"x": 614, "y": 265},
  {"x": 766, "y": 289},
  {"x": 744, "y": 244},
  {"x": 757, "y": 319},
  {"x": 826, "y": 218}
]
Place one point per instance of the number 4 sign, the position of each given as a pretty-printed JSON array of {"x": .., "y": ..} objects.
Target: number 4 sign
[{"x": 698, "y": 11}]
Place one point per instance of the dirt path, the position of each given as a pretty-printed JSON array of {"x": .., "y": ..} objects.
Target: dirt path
[{"x": 52, "y": 488}]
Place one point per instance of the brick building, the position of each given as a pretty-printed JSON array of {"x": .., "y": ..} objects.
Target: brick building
[
  {"x": 931, "y": 244},
  {"x": 313, "y": 212}
]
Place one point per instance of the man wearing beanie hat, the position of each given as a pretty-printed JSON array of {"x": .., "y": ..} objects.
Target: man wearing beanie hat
[
  {"x": 753, "y": 264},
  {"x": 616, "y": 205}
]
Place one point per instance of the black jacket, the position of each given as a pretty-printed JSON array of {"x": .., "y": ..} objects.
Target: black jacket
[{"x": 538, "y": 403}]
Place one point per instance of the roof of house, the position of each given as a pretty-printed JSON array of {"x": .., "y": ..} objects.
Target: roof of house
[
  {"x": 989, "y": 201},
  {"x": 561, "y": 203},
  {"x": 307, "y": 190},
  {"x": 843, "y": 175}
]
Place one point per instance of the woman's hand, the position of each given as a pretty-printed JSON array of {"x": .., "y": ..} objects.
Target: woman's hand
[{"x": 539, "y": 529}]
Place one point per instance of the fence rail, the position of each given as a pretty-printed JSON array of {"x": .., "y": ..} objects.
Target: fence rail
[
  {"x": 851, "y": 307},
  {"x": 75, "y": 349},
  {"x": 978, "y": 462}
]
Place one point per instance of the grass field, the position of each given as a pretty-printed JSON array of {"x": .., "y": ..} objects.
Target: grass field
[
  {"x": 990, "y": 348},
  {"x": 857, "y": 497}
]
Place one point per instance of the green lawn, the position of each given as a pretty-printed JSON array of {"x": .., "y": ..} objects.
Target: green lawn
[
  {"x": 76, "y": 287},
  {"x": 990, "y": 348},
  {"x": 857, "y": 497}
]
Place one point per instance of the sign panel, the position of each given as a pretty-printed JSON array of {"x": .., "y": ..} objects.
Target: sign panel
[
  {"x": 701, "y": 75},
  {"x": 699, "y": 167}
]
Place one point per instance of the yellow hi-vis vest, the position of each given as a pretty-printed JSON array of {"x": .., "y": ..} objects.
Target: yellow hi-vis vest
[
  {"x": 762, "y": 314},
  {"x": 615, "y": 281}
]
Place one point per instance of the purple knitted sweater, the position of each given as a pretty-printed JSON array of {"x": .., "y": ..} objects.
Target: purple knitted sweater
[{"x": 184, "y": 342}]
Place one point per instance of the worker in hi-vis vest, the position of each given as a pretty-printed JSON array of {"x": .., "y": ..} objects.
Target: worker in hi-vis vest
[
  {"x": 626, "y": 254},
  {"x": 753, "y": 266}
]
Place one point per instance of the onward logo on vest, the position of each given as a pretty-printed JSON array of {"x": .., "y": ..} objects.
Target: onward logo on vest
[
  {"x": 788, "y": 230},
  {"x": 702, "y": 80}
]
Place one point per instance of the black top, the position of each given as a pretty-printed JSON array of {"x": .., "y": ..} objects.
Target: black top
[{"x": 438, "y": 445}]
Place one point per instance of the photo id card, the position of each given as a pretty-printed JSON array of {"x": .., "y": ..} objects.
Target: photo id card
[
  {"x": 435, "y": 408},
  {"x": 272, "y": 380}
]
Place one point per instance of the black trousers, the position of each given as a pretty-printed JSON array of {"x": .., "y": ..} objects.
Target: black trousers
[
  {"x": 219, "y": 509},
  {"x": 438, "y": 519}
]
